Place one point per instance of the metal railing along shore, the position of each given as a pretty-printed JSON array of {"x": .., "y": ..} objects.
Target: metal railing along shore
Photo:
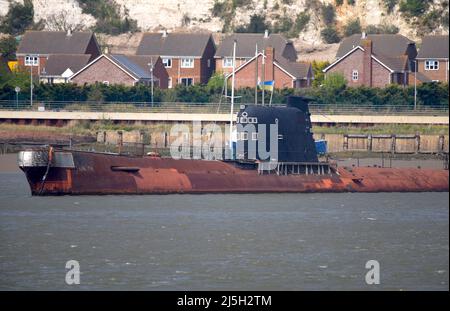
[{"x": 210, "y": 108}]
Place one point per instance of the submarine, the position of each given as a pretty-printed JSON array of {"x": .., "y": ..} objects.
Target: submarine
[{"x": 274, "y": 152}]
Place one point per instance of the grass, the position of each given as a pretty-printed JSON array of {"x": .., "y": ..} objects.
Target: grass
[{"x": 385, "y": 129}]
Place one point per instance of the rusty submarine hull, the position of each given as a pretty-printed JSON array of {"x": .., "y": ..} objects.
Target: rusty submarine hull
[
  {"x": 294, "y": 168},
  {"x": 79, "y": 172}
]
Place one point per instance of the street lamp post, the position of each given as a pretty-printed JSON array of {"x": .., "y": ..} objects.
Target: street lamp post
[
  {"x": 17, "y": 89},
  {"x": 415, "y": 84},
  {"x": 151, "y": 77}
]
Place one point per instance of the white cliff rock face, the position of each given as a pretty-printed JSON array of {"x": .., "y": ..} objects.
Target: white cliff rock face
[
  {"x": 48, "y": 9},
  {"x": 154, "y": 15}
]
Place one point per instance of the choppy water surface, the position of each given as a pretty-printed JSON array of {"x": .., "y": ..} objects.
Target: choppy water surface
[{"x": 212, "y": 242}]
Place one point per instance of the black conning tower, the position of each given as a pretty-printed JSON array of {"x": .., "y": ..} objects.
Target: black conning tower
[{"x": 295, "y": 140}]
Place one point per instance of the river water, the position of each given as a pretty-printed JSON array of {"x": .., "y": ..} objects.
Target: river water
[{"x": 222, "y": 242}]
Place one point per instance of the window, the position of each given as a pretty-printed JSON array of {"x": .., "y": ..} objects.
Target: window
[
  {"x": 187, "y": 63},
  {"x": 31, "y": 61},
  {"x": 280, "y": 136},
  {"x": 355, "y": 75},
  {"x": 244, "y": 136},
  {"x": 254, "y": 136},
  {"x": 187, "y": 81},
  {"x": 106, "y": 82},
  {"x": 167, "y": 62},
  {"x": 169, "y": 83},
  {"x": 209, "y": 63},
  {"x": 227, "y": 62},
  {"x": 431, "y": 64}
]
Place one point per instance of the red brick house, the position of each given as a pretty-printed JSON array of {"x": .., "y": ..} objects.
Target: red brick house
[
  {"x": 267, "y": 66},
  {"x": 432, "y": 60},
  {"x": 246, "y": 45},
  {"x": 122, "y": 69},
  {"x": 36, "y": 47},
  {"x": 374, "y": 60},
  {"x": 187, "y": 57}
]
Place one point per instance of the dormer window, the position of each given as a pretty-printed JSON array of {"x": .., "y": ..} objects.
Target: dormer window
[{"x": 431, "y": 64}]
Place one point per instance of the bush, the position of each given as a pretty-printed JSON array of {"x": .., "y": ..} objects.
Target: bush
[
  {"x": 390, "y": 5},
  {"x": 414, "y": 8},
  {"x": 382, "y": 29},
  {"x": 328, "y": 14},
  {"x": 339, "y": 2},
  {"x": 109, "y": 20},
  {"x": 352, "y": 27},
  {"x": 330, "y": 35},
  {"x": 351, "y": 2}
]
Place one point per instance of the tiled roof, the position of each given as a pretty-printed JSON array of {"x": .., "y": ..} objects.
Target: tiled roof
[
  {"x": 58, "y": 63},
  {"x": 434, "y": 47},
  {"x": 386, "y": 44},
  {"x": 246, "y": 45},
  {"x": 174, "y": 44},
  {"x": 54, "y": 42}
]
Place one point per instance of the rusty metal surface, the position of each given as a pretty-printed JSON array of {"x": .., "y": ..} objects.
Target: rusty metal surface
[{"x": 93, "y": 175}]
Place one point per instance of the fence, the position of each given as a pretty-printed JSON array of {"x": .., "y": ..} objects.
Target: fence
[{"x": 213, "y": 108}]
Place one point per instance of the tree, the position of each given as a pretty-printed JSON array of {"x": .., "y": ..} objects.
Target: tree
[
  {"x": 319, "y": 75},
  {"x": 8, "y": 47},
  {"x": 330, "y": 35},
  {"x": 18, "y": 19},
  {"x": 352, "y": 27},
  {"x": 328, "y": 14},
  {"x": 257, "y": 24},
  {"x": 59, "y": 22}
]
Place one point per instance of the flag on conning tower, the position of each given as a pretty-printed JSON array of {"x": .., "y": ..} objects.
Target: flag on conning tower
[{"x": 266, "y": 85}]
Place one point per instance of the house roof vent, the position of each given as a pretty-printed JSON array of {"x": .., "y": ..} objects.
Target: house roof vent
[
  {"x": 266, "y": 33},
  {"x": 69, "y": 32},
  {"x": 164, "y": 33}
]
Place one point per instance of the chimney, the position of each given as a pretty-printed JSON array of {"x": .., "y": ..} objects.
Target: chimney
[
  {"x": 266, "y": 33},
  {"x": 69, "y": 32},
  {"x": 367, "y": 62},
  {"x": 105, "y": 50},
  {"x": 164, "y": 33},
  {"x": 363, "y": 35},
  {"x": 268, "y": 70}
]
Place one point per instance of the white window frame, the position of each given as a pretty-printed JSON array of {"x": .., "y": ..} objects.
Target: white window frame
[
  {"x": 355, "y": 75},
  {"x": 186, "y": 78},
  {"x": 31, "y": 60},
  {"x": 431, "y": 64},
  {"x": 187, "y": 63},
  {"x": 255, "y": 136},
  {"x": 166, "y": 61},
  {"x": 227, "y": 62},
  {"x": 105, "y": 82},
  {"x": 169, "y": 83}
]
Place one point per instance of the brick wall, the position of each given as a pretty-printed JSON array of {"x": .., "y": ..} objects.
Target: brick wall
[
  {"x": 103, "y": 70},
  {"x": 381, "y": 77},
  {"x": 440, "y": 75}
]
